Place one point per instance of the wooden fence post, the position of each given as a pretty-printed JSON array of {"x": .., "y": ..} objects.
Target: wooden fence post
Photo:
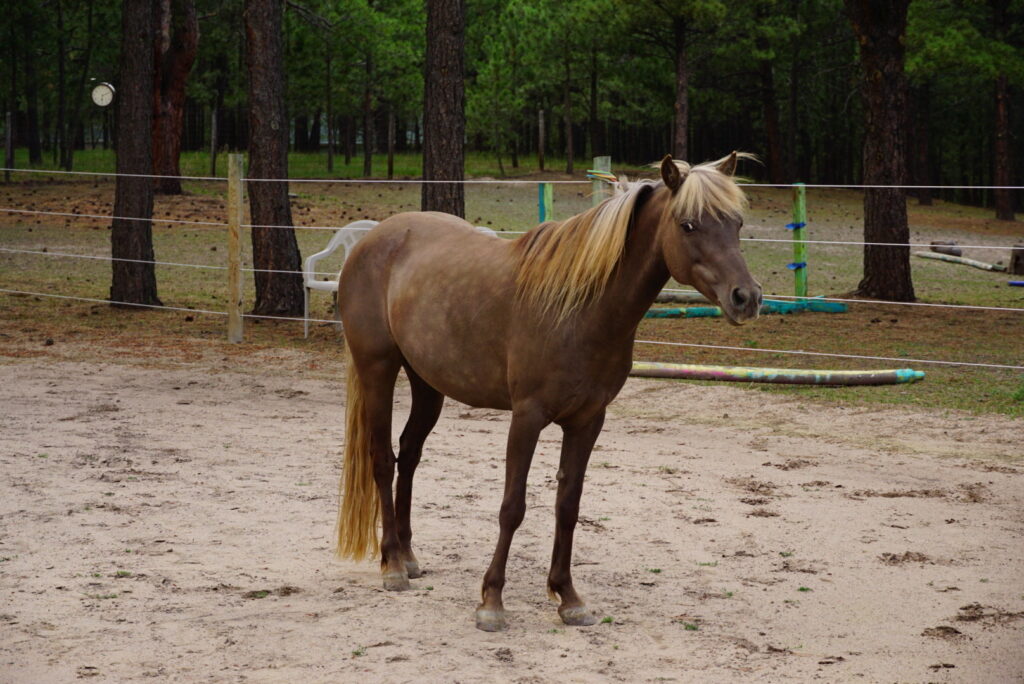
[
  {"x": 234, "y": 248},
  {"x": 545, "y": 198},
  {"x": 799, "y": 265},
  {"x": 599, "y": 188}
]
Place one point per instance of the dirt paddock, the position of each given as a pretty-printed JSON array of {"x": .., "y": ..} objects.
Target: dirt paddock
[{"x": 174, "y": 521}]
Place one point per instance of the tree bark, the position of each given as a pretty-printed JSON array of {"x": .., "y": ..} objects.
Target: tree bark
[
  {"x": 540, "y": 140},
  {"x": 276, "y": 249},
  {"x": 444, "y": 116},
  {"x": 174, "y": 53},
  {"x": 567, "y": 119},
  {"x": 35, "y": 151},
  {"x": 368, "y": 132},
  {"x": 1003, "y": 171},
  {"x": 132, "y": 238},
  {"x": 773, "y": 139},
  {"x": 880, "y": 29},
  {"x": 595, "y": 125},
  {"x": 391, "y": 142},
  {"x": 681, "y": 107}
]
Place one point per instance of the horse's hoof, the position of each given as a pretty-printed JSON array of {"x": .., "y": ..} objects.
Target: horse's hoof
[
  {"x": 396, "y": 581},
  {"x": 412, "y": 568},
  {"x": 578, "y": 616},
  {"x": 490, "y": 620}
]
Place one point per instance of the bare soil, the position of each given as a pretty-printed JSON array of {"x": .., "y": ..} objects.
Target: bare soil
[{"x": 170, "y": 516}]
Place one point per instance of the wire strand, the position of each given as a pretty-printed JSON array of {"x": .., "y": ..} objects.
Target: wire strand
[
  {"x": 113, "y": 218},
  {"x": 653, "y": 342},
  {"x": 873, "y": 301}
]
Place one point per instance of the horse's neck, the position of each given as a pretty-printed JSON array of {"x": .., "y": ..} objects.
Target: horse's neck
[{"x": 639, "y": 278}]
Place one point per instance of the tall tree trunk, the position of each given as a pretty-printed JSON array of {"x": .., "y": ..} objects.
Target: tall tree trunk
[
  {"x": 444, "y": 116},
  {"x": 35, "y": 152},
  {"x": 75, "y": 127},
  {"x": 349, "y": 135},
  {"x": 368, "y": 132},
  {"x": 681, "y": 106},
  {"x": 1003, "y": 166},
  {"x": 880, "y": 29},
  {"x": 1002, "y": 162},
  {"x": 330, "y": 116},
  {"x": 540, "y": 139},
  {"x": 773, "y": 139},
  {"x": 277, "y": 294},
  {"x": 132, "y": 238},
  {"x": 301, "y": 124},
  {"x": 313, "y": 138},
  {"x": 567, "y": 118},
  {"x": 174, "y": 53},
  {"x": 594, "y": 125},
  {"x": 61, "y": 133},
  {"x": 391, "y": 142}
]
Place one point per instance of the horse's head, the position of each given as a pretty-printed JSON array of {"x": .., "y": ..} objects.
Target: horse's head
[{"x": 699, "y": 235}]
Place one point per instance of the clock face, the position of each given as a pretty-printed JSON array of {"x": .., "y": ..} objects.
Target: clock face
[{"x": 103, "y": 94}]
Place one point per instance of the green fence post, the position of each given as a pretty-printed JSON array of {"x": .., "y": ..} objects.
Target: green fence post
[
  {"x": 599, "y": 187},
  {"x": 799, "y": 265},
  {"x": 545, "y": 199}
]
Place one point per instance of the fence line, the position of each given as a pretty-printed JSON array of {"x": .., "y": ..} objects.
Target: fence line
[
  {"x": 113, "y": 173},
  {"x": 331, "y": 274},
  {"x": 847, "y": 186},
  {"x": 112, "y": 218},
  {"x": 652, "y": 342},
  {"x": 159, "y": 263},
  {"x": 499, "y": 232}
]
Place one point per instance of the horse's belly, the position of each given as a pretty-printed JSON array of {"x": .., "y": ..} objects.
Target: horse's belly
[{"x": 462, "y": 373}]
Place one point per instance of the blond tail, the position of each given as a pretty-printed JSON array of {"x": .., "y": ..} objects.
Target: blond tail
[{"x": 359, "y": 511}]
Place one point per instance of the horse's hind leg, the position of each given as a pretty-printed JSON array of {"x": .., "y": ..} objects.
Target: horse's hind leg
[
  {"x": 426, "y": 407},
  {"x": 577, "y": 443},
  {"x": 378, "y": 381}
]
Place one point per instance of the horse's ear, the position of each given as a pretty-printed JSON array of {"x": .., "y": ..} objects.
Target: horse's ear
[
  {"x": 670, "y": 173},
  {"x": 728, "y": 165}
]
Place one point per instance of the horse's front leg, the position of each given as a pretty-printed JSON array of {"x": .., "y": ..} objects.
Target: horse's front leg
[
  {"x": 527, "y": 422},
  {"x": 577, "y": 443}
]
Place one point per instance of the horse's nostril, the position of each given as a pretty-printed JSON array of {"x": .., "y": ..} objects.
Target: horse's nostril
[{"x": 740, "y": 297}]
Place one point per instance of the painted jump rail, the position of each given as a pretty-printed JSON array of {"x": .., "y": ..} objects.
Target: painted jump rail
[
  {"x": 984, "y": 266},
  {"x": 768, "y": 306},
  {"x": 779, "y": 376}
]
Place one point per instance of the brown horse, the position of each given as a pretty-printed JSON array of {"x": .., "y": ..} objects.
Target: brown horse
[{"x": 542, "y": 326}]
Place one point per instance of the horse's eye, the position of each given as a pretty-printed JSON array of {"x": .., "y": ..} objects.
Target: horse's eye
[{"x": 688, "y": 227}]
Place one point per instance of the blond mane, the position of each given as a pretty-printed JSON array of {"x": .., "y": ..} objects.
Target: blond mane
[{"x": 562, "y": 265}]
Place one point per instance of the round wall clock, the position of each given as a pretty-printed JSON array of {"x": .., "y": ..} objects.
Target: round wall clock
[{"x": 103, "y": 94}]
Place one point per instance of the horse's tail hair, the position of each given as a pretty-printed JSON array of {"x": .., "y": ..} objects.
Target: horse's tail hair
[{"x": 359, "y": 509}]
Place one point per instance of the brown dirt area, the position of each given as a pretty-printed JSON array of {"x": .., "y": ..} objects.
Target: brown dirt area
[{"x": 170, "y": 516}]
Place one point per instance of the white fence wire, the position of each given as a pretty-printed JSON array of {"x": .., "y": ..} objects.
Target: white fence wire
[{"x": 221, "y": 224}]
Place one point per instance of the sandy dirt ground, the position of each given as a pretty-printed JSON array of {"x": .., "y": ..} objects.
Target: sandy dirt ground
[{"x": 174, "y": 522}]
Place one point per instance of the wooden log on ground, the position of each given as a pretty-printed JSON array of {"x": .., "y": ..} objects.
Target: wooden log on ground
[{"x": 961, "y": 260}]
